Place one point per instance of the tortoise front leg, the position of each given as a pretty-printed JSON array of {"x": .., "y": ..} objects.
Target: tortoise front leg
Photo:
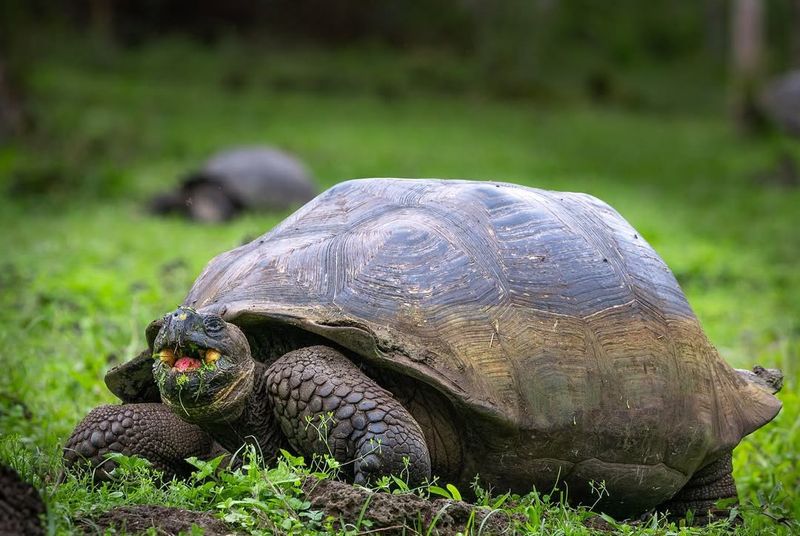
[
  {"x": 149, "y": 430},
  {"x": 325, "y": 404}
]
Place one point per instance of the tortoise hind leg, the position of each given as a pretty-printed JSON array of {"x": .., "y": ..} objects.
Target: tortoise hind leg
[
  {"x": 710, "y": 484},
  {"x": 326, "y": 405}
]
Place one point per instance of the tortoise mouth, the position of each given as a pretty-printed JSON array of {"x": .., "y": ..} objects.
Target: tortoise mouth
[
  {"x": 200, "y": 385},
  {"x": 202, "y": 366},
  {"x": 188, "y": 358}
]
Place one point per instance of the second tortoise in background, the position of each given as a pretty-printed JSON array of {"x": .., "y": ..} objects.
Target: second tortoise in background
[
  {"x": 780, "y": 102},
  {"x": 244, "y": 178}
]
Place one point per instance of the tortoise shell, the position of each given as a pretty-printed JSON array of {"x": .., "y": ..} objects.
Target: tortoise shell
[
  {"x": 259, "y": 177},
  {"x": 561, "y": 338}
]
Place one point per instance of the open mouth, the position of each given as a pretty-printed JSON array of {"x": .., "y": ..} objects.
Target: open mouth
[{"x": 187, "y": 359}]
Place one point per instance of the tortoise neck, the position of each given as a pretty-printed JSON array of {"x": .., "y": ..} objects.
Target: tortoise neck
[{"x": 255, "y": 425}]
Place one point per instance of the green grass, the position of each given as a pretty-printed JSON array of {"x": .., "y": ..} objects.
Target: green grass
[{"x": 84, "y": 269}]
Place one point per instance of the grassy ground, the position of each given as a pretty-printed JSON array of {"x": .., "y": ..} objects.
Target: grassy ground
[{"x": 84, "y": 269}]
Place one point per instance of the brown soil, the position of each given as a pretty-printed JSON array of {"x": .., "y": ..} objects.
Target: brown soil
[
  {"x": 389, "y": 514},
  {"x": 166, "y": 521},
  {"x": 20, "y": 505},
  {"x": 399, "y": 514},
  {"x": 598, "y": 524}
]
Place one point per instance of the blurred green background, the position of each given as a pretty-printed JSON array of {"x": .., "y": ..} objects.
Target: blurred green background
[{"x": 647, "y": 105}]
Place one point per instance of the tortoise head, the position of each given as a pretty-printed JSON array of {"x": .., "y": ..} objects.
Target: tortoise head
[{"x": 203, "y": 366}]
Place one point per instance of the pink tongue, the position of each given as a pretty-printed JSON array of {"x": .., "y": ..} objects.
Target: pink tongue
[{"x": 187, "y": 363}]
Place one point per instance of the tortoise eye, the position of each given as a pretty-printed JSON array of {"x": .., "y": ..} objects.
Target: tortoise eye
[{"x": 214, "y": 325}]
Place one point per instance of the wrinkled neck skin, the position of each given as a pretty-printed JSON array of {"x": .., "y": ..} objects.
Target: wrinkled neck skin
[{"x": 255, "y": 425}]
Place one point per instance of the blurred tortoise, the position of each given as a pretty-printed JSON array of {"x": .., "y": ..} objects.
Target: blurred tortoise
[
  {"x": 780, "y": 102},
  {"x": 446, "y": 327},
  {"x": 249, "y": 178}
]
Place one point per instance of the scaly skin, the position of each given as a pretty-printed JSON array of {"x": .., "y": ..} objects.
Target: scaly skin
[
  {"x": 149, "y": 430},
  {"x": 710, "y": 484},
  {"x": 326, "y": 405}
]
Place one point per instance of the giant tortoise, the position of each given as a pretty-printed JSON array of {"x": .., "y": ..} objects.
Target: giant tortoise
[{"x": 449, "y": 328}]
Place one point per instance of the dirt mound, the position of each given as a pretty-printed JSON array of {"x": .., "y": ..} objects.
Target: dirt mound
[
  {"x": 396, "y": 514},
  {"x": 166, "y": 521},
  {"x": 389, "y": 514},
  {"x": 20, "y": 505}
]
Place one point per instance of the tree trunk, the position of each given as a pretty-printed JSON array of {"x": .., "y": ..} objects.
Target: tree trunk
[
  {"x": 12, "y": 114},
  {"x": 747, "y": 53},
  {"x": 715, "y": 15},
  {"x": 102, "y": 20},
  {"x": 795, "y": 30}
]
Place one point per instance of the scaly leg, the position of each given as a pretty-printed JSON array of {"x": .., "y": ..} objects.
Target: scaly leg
[
  {"x": 325, "y": 404},
  {"x": 707, "y": 486},
  {"x": 148, "y": 430}
]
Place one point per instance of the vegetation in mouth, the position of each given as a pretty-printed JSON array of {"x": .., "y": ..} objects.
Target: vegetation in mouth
[{"x": 189, "y": 358}]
